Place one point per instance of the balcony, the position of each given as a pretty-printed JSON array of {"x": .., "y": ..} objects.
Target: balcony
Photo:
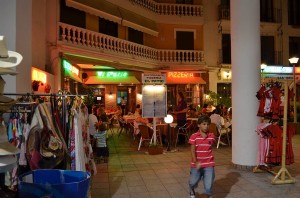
[
  {"x": 80, "y": 41},
  {"x": 276, "y": 59},
  {"x": 170, "y": 9},
  {"x": 272, "y": 16}
]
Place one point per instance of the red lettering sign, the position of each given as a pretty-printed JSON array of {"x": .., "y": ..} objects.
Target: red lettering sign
[{"x": 180, "y": 74}]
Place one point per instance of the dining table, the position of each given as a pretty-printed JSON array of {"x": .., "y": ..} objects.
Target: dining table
[{"x": 129, "y": 118}]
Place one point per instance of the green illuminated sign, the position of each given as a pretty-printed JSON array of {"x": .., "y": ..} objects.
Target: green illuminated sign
[
  {"x": 69, "y": 67},
  {"x": 113, "y": 74}
]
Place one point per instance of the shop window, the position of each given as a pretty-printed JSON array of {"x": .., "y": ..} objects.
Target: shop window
[
  {"x": 171, "y": 96},
  {"x": 135, "y": 36},
  {"x": 99, "y": 96}
]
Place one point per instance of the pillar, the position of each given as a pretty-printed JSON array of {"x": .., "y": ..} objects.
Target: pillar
[
  {"x": 16, "y": 26},
  {"x": 245, "y": 53}
]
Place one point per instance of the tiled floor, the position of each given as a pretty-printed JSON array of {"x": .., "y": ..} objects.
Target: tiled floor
[{"x": 132, "y": 173}]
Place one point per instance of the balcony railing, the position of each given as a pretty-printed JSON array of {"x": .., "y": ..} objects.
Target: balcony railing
[
  {"x": 170, "y": 9},
  {"x": 275, "y": 60},
  {"x": 86, "y": 39},
  {"x": 273, "y": 16}
]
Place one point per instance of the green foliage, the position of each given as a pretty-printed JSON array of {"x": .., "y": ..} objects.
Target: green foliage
[
  {"x": 216, "y": 99},
  {"x": 89, "y": 98}
]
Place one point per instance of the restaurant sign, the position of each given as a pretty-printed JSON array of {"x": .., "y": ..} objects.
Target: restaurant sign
[
  {"x": 280, "y": 77},
  {"x": 70, "y": 68},
  {"x": 153, "y": 79},
  {"x": 38, "y": 75},
  {"x": 113, "y": 74},
  {"x": 180, "y": 74}
]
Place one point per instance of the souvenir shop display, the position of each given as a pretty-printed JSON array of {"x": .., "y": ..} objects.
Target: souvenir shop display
[
  {"x": 275, "y": 142},
  {"x": 40, "y": 131},
  {"x": 36, "y": 128},
  {"x": 8, "y": 150}
]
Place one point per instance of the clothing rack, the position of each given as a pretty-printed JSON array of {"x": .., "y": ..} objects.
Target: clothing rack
[
  {"x": 31, "y": 94},
  {"x": 60, "y": 94},
  {"x": 283, "y": 176}
]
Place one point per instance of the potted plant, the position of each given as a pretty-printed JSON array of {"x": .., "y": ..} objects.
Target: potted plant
[{"x": 155, "y": 149}]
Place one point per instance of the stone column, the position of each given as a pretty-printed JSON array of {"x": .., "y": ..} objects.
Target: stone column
[{"x": 245, "y": 53}]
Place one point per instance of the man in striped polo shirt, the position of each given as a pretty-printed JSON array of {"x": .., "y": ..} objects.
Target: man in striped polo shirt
[{"x": 202, "y": 164}]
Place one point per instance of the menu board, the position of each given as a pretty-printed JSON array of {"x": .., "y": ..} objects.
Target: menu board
[{"x": 154, "y": 101}]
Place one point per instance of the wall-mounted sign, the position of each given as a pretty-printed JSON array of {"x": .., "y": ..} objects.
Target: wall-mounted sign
[
  {"x": 180, "y": 74},
  {"x": 38, "y": 75},
  {"x": 70, "y": 68},
  {"x": 154, "y": 79},
  {"x": 113, "y": 74},
  {"x": 280, "y": 70},
  {"x": 280, "y": 77}
]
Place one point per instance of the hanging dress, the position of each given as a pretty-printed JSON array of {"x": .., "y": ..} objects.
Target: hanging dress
[
  {"x": 263, "y": 144},
  {"x": 274, "y": 133},
  {"x": 262, "y": 100},
  {"x": 79, "y": 150}
]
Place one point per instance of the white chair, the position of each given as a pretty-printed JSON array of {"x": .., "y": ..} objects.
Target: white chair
[
  {"x": 145, "y": 135},
  {"x": 222, "y": 132}
]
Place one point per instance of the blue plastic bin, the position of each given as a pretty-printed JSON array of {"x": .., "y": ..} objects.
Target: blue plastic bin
[{"x": 54, "y": 184}]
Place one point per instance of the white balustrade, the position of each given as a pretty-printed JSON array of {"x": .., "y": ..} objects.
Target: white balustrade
[
  {"x": 170, "y": 9},
  {"x": 87, "y": 39}
]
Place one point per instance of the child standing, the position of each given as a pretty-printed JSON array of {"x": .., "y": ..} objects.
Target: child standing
[
  {"x": 202, "y": 164},
  {"x": 101, "y": 146}
]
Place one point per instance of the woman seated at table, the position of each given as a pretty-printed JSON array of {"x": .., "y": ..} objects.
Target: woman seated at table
[{"x": 139, "y": 120}]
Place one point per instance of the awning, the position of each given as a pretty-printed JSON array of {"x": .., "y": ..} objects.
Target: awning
[
  {"x": 95, "y": 80},
  {"x": 190, "y": 80},
  {"x": 73, "y": 76},
  {"x": 116, "y": 14},
  {"x": 138, "y": 22},
  {"x": 101, "y": 8}
]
